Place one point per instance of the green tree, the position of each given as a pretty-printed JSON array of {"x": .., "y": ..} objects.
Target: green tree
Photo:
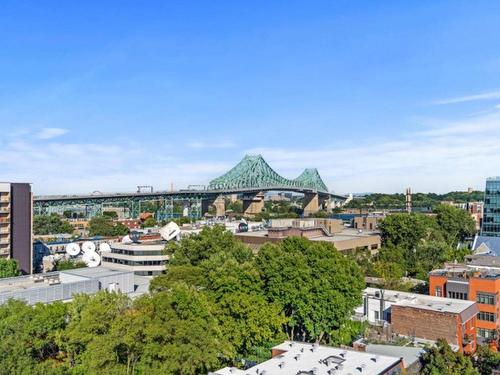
[
  {"x": 215, "y": 262},
  {"x": 69, "y": 264},
  {"x": 51, "y": 224},
  {"x": 149, "y": 222},
  {"x": 199, "y": 247},
  {"x": 316, "y": 286},
  {"x": 455, "y": 224},
  {"x": 111, "y": 214},
  {"x": 28, "y": 336},
  {"x": 9, "y": 268},
  {"x": 486, "y": 360},
  {"x": 441, "y": 360},
  {"x": 105, "y": 226}
]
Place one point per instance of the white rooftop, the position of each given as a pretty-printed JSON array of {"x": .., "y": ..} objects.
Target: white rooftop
[
  {"x": 302, "y": 358},
  {"x": 422, "y": 301}
]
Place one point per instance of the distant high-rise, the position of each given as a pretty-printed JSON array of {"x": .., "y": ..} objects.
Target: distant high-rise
[
  {"x": 16, "y": 223},
  {"x": 491, "y": 214}
]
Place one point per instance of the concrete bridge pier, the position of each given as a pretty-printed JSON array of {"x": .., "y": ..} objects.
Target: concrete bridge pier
[
  {"x": 311, "y": 204},
  {"x": 219, "y": 203},
  {"x": 253, "y": 204}
]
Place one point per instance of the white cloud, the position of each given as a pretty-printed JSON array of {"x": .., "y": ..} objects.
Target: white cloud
[
  {"x": 470, "y": 98},
  {"x": 202, "y": 145},
  {"x": 49, "y": 133},
  {"x": 452, "y": 157}
]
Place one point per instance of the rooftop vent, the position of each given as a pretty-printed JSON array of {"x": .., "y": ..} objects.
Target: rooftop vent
[
  {"x": 281, "y": 364},
  {"x": 361, "y": 368},
  {"x": 297, "y": 357},
  {"x": 375, "y": 359}
]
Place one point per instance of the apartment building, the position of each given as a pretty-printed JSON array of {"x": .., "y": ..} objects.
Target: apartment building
[
  {"x": 16, "y": 207},
  {"x": 473, "y": 282}
]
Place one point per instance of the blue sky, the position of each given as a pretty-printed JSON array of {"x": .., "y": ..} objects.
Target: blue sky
[{"x": 379, "y": 95}]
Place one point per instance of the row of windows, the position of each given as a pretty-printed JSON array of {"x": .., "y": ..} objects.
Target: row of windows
[
  {"x": 137, "y": 252},
  {"x": 135, "y": 262},
  {"x": 487, "y": 316},
  {"x": 486, "y": 333},
  {"x": 486, "y": 298},
  {"x": 457, "y": 295}
]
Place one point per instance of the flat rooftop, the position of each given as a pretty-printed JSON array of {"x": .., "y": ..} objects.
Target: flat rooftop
[
  {"x": 303, "y": 358},
  {"x": 422, "y": 301},
  {"x": 346, "y": 234},
  {"x": 479, "y": 266},
  {"x": 43, "y": 280}
]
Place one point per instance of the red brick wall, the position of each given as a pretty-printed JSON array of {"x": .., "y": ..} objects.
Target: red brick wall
[{"x": 426, "y": 324}]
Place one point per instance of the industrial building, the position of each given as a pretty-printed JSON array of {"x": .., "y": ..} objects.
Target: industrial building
[
  {"x": 301, "y": 358},
  {"x": 61, "y": 286},
  {"x": 410, "y": 314},
  {"x": 16, "y": 222}
]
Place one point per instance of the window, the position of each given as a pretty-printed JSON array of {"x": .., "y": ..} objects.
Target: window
[
  {"x": 457, "y": 295},
  {"x": 486, "y": 316},
  {"x": 486, "y": 333},
  {"x": 438, "y": 291},
  {"x": 377, "y": 315},
  {"x": 486, "y": 298}
]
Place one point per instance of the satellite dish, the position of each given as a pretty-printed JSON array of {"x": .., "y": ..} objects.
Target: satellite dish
[
  {"x": 104, "y": 247},
  {"x": 170, "y": 231},
  {"x": 88, "y": 247},
  {"x": 72, "y": 249},
  {"x": 127, "y": 240},
  {"x": 91, "y": 259},
  {"x": 134, "y": 236}
]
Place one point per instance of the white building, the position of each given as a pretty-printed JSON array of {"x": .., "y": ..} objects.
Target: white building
[
  {"x": 146, "y": 258},
  {"x": 307, "y": 359}
]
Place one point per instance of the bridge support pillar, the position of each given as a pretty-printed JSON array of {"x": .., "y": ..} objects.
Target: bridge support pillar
[
  {"x": 219, "y": 203},
  {"x": 253, "y": 204},
  {"x": 311, "y": 203}
]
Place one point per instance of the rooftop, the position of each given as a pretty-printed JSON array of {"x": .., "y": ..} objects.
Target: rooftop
[
  {"x": 422, "y": 301},
  {"x": 303, "y": 359},
  {"x": 346, "y": 234}
]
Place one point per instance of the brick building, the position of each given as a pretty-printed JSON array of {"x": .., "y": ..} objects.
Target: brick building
[
  {"x": 431, "y": 318},
  {"x": 471, "y": 282},
  {"x": 410, "y": 314}
]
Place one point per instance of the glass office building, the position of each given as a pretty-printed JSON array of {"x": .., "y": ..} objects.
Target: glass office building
[{"x": 491, "y": 215}]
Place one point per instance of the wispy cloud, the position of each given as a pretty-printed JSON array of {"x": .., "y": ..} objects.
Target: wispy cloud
[
  {"x": 49, "y": 133},
  {"x": 452, "y": 156},
  {"x": 202, "y": 145},
  {"x": 469, "y": 98}
]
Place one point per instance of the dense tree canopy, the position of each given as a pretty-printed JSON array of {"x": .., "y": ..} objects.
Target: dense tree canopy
[
  {"x": 442, "y": 360},
  {"x": 9, "y": 268},
  {"x": 398, "y": 201},
  {"x": 105, "y": 226},
  {"x": 51, "y": 224},
  {"x": 416, "y": 243},
  {"x": 316, "y": 286}
]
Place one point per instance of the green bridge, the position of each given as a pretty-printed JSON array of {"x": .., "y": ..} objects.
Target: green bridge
[{"x": 250, "y": 179}]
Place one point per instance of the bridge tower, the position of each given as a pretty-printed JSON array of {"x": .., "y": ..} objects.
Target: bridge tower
[
  {"x": 253, "y": 204},
  {"x": 311, "y": 203},
  {"x": 218, "y": 202}
]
